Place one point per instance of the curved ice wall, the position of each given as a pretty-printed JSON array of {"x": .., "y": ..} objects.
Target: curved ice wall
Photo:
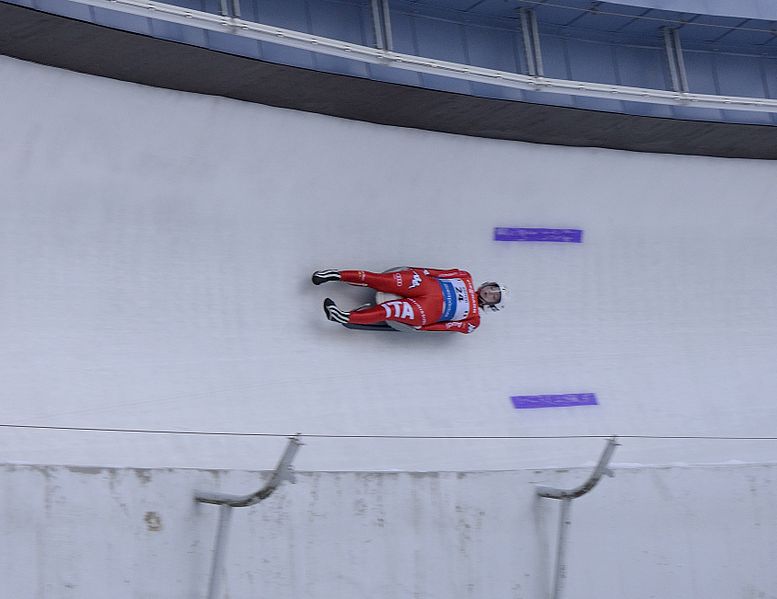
[{"x": 155, "y": 253}]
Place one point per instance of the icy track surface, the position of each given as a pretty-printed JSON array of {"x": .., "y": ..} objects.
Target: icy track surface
[{"x": 155, "y": 258}]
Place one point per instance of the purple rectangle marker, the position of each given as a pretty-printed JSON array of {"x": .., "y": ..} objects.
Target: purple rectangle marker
[
  {"x": 524, "y": 402},
  {"x": 524, "y": 234}
]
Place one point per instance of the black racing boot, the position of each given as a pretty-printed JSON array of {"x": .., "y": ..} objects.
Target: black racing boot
[
  {"x": 334, "y": 313},
  {"x": 324, "y": 276}
]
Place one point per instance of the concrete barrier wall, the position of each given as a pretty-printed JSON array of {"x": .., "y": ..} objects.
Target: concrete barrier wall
[{"x": 649, "y": 532}]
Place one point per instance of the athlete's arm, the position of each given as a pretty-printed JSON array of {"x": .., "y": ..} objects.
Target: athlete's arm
[
  {"x": 445, "y": 274},
  {"x": 456, "y": 326}
]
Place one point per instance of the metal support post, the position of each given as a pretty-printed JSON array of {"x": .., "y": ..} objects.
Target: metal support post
[
  {"x": 566, "y": 497},
  {"x": 561, "y": 548},
  {"x": 381, "y": 21},
  {"x": 222, "y": 536},
  {"x": 674, "y": 56},
  {"x": 528, "y": 44},
  {"x": 678, "y": 55},
  {"x": 669, "y": 47},
  {"x": 385, "y": 17},
  {"x": 283, "y": 472},
  {"x": 234, "y": 5},
  {"x": 531, "y": 42},
  {"x": 377, "y": 23},
  {"x": 536, "y": 43}
]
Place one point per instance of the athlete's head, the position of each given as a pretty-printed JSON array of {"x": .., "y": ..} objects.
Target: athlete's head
[{"x": 491, "y": 295}]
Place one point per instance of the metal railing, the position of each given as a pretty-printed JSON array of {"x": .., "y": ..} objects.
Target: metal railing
[
  {"x": 231, "y": 23},
  {"x": 283, "y": 472},
  {"x": 566, "y": 496}
]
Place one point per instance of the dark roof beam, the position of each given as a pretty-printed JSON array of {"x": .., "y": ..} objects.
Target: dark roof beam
[
  {"x": 584, "y": 12},
  {"x": 730, "y": 30}
]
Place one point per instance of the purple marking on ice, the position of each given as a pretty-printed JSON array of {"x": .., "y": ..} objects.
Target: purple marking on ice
[
  {"x": 523, "y": 402},
  {"x": 524, "y": 234}
]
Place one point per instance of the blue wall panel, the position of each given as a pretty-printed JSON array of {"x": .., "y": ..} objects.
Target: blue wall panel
[
  {"x": 740, "y": 76},
  {"x": 234, "y": 44},
  {"x": 440, "y": 39},
  {"x": 551, "y": 99},
  {"x": 193, "y": 4},
  {"x": 340, "y": 21},
  {"x": 642, "y": 67},
  {"x": 289, "y": 14},
  {"x": 173, "y": 32},
  {"x": 110, "y": 18},
  {"x": 335, "y": 64},
  {"x": 403, "y": 30},
  {"x": 249, "y": 10},
  {"x": 591, "y": 61},
  {"x": 211, "y": 6},
  {"x": 598, "y": 104},
  {"x": 648, "y": 109},
  {"x": 66, "y": 9},
  {"x": 743, "y": 116},
  {"x": 697, "y": 114},
  {"x": 701, "y": 72},
  {"x": 392, "y": 75},
  {"x": 179, "y": 33},
  {"x": 498, "y": 92},
  {"x": 769, "y": 67},
  {"x": 446, "y": 84},
  {"x": 291, "y": 56},
  {"x": 554, "y": 57},
  {"x": 493, "y": 48}
]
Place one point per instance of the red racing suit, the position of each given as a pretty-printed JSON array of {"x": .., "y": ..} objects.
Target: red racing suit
[{"x": 432, "y": 300}]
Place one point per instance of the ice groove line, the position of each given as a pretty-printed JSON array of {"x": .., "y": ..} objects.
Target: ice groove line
[{"x": 365, "y": 436}]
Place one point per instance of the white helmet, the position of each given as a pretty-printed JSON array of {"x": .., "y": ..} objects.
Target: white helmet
[{"x": 502, "y": 296}]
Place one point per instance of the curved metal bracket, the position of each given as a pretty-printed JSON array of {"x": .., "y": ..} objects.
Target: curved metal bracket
[
  {"x": 283, "y": 472},
  {"x": 566, "y": 496},
  {"x": 601, "y": 469}
]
